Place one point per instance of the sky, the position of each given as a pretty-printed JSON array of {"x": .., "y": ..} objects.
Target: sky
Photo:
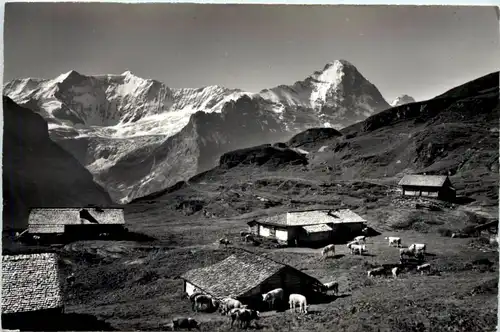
[{"x": 421, "y": 51}]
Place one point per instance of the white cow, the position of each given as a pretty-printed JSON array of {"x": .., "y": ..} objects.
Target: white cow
[
  {"x": 273, "y": 296},
  {"x": 334, "y": 285},
  {"x": 394, "y": 241},
  {"x": 360, "y": 248},
  {"x": 227, "y": 304},
  {"x": 328, "y": 249},
  {"x": 417, "y": 247},
  {"x": 298, "y": 300},
  {"x": 424, "y": 267},
  {"x": 360, "y": 238}
]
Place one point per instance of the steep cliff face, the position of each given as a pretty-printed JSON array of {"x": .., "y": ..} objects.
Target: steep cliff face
[
  {"x": 131, "y": 133},
  {"x": 38, "y": 172}
]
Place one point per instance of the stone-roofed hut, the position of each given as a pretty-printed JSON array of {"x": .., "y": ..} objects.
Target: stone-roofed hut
[
  {"x": 75, "y": 221},
  {"x": 245, "y": 276},
  {"x": 309, "y": 228},
  {"x": 432, "y": 186},
  {"x": 31, "y": 288}
]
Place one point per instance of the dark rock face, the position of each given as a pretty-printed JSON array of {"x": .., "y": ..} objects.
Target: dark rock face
[
  {"x": 38, "y": 172},
  {"x": 313, "y": 135},
  {"x": 262, "y": 155}
]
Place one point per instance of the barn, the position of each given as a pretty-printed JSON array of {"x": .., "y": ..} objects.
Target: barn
[
  {"x": 75, "y": 221},
  {"x": 433, "y": 186},
  {"x": 245, "y": 276},
  {"x": 31, "y": 289},
  {"x": 309, "y": 228}
]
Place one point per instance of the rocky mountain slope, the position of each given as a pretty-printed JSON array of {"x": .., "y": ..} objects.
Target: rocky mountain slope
[
  {"x": 130, "y": 132},
  {"x": 38, "y": 172},
  {"x": 401, "y": 100},
  {"x": 455, "y": 134}
]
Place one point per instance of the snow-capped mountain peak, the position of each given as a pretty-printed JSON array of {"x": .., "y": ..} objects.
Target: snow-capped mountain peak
[
  {"x": 401, "y": 100},
  {"x": 110, "y": 122}
]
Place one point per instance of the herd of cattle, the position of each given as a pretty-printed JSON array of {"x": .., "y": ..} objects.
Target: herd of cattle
[{"x": 241, "y": 313}]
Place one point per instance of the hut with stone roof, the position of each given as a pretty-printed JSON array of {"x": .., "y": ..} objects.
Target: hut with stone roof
[
  {"x": 432, "y": 186},
  {"x": 309, "y": 228},
  {"x": 31, "y": 288},
  {"x": 75, "y": 221},
  {"x": 245, "y": 276}
]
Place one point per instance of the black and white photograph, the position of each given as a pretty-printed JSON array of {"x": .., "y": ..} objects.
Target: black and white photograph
[{"x": 270, "y": 167}]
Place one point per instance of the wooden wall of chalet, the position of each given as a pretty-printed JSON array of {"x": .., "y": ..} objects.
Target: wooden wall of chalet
[{"x": 444, "y": 193}]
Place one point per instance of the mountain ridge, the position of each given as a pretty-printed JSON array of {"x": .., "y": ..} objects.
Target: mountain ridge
[
  {"x": 109, "y": 120},
  {"x": 455, "y": 134}
]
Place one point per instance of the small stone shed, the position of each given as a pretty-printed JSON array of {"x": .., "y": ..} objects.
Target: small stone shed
[
  {"x": 31, "y": 288},
  {"x": 433, "y": 186},
  {"x": 75, "y": 221},
  {"x": 245, "y": 276},
  {"x": 304, "y": 228}
]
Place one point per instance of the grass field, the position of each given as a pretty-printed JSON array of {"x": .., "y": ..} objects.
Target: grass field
[{"x": 135, "y": 285}]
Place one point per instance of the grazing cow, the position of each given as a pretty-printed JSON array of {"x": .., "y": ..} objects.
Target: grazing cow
[
  {"x": 228, "y": 304},
  {"x": 273, "y": 296},
  {"x": 361, "y": 238},
  {"x": 185, "y": 323},
  {"x": 248, "y": 238},
  {"x": 244, "y": 317},
  {"x": 334, "y": 285},
  {"x": 328, "y": 249},
  {"x": 395, "y": 272},
  {"x": 360, "y": 248},
  {"x": 376, "y": 272},
  {"x": 298, "y": 300},
  {"x": 424, "y": 267},
  {"x": 203, "y": 300},
  {"x": 417, "y": 247},
  {"x": 243, "y": 233},
  {"x": 352, "y": 243},
  {"x": 224, "y": 241},
  {"x": 405, "y": 252},
  {"x": 394, "y": 241}
]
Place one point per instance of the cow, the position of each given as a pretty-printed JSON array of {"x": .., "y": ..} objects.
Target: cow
[
  {"x": 328, "y": 249},
  {"x": 394, "y": 241},
  {"x": 297, "y": 299},
  {"x": 273, "y": 296},
  {"x": 404, "y": 252},
  {"x": 360, "y": 248},
  {"x": 424, "y": 267},
  {"x": 244, "y": 316},
  {"x": 334, "y": 285},
  {"x": 244, "y": 233},
  {"x": 248, "y": 238},
  {"x": 417, "y": 247},
  {"x": 360, "y": 238},
  {"x": 224, "y": 241},
  {"x": 376, "y": 272},
  {"x": 185, "y": 323},
  {"x": 228, "y": 304},
  {"x": 203, "y": 300}
]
